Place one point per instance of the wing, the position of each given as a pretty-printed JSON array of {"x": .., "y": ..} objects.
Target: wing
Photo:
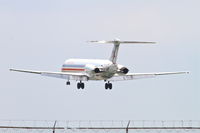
[
  {"x": 132, "y": 76},
  {"x": 62, "y": 75}
]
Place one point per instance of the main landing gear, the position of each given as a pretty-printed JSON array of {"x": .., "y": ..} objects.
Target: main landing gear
[
  {"x": 108, "y": 85},
  {"x": 80, "y": 85}
]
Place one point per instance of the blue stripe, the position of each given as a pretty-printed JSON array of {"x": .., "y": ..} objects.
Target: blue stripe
[{"x": 73, "y": 65}]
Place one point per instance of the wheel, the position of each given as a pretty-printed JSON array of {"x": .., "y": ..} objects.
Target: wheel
[
  {"x": 68, "y": 83},
  {"x": 106, "y": 86},
  {"x": 82, "y": 85},
  {"x": 78, "y": 85},
  {"x": 110, "y": 86}
]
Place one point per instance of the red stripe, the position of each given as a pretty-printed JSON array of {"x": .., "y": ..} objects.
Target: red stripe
[{"x": 72, "y": 69}]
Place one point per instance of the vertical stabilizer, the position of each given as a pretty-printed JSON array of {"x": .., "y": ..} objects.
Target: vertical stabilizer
[{"x": 115, "y": 50}]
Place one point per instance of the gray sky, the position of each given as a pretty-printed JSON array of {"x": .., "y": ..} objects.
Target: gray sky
[{"x": 42, "y": 34}]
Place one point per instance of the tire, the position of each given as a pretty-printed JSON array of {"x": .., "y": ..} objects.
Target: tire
[
  {"x": 106, "y": 86},
  {"x": 110, "y": 86},
  {"x": 78, "y": 85},
  {"x": 68, "y": 83},
  {"x": 82, "y": 85}
]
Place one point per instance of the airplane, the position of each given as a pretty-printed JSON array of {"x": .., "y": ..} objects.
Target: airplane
[{"x": 98, "y": 69}]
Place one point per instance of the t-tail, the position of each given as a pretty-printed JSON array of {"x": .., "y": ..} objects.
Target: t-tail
[{"x": 116, "y": 43}]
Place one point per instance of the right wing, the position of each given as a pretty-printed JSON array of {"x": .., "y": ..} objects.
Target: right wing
[
  {"x": 63, "y": 75},
  {"x": 133, "y": 76}
]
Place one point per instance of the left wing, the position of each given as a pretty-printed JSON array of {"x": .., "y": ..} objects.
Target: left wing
[
  {"x": 132, "y": 76},
  {"x": 63, "y": 75}
]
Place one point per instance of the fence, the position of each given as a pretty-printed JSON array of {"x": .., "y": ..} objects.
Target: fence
[{"x": 130, "y": 126}]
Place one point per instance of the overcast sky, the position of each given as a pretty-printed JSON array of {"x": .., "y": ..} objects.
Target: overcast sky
[{"x": 42, "y": 34}]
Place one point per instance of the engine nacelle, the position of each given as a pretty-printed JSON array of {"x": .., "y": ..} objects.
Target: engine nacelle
[
  {"x": 93, "y": 68},
  {"x": 124, "y": 70},
  {"x": 97, "y": 70}
]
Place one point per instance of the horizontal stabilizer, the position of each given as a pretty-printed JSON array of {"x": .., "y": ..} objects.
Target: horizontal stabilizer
[{"x": 117, "y": 41}]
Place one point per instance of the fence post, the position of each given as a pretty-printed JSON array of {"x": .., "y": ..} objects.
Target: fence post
[
  {"x": 127, "y": 126},
  {"x": 54, "y": 126}
]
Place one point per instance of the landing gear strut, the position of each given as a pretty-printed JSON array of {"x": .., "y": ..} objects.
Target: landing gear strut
[
  {"x": 80, "y": 85},
  {"x": 108, "y": 85}
]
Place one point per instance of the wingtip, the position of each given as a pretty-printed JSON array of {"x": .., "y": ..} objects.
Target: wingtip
[
  {"x": 91, "y": 41},
  {"x": 11, "y": 69},
  {"x": 187, "y": 72},
  {"x": 88, "y": 41},
  {"x": 153, "y": 42}
]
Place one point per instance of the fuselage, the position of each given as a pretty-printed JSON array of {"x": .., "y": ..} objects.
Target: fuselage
[{"x": 96, "y": 69}]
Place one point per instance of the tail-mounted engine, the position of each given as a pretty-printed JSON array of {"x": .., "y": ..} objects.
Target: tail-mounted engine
[
  {"x": 93, "y": 68},
  {"x": 97, "y": 70},
  {"x": 122, "y": 70}
]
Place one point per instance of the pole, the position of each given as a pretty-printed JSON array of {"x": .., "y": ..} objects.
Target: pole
[
  {"x": 54, "y": 126},
  {"x": 127, "y": 126}
]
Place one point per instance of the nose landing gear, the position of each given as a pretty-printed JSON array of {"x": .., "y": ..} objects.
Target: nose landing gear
[
  {"x": 108, "y": 85},
  {"x": 80, "y": 85},
  {"x": 67, "y": 83}
]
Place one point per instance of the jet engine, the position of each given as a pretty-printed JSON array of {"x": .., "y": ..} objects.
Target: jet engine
[
  {"x": 93, "y": 68},
  {"x": 97, "y": 70},
  {"x": 122, "y": 69}
]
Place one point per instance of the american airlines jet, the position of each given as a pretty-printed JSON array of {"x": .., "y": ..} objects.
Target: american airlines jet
[{"x": 94, "y": 69}]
